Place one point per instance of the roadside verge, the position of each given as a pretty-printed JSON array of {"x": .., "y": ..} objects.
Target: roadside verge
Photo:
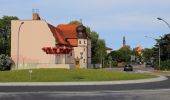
[{"x": 160, "y": 78}]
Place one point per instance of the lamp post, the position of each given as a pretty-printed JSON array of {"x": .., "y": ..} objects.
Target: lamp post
[
  {"x": 18, "y": 43},
  {"x": 164, "y": 21},
  {"x": 159, "y": 51}
]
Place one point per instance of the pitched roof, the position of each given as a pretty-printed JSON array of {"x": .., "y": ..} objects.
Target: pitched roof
[
  {"x": 57, "y": 34},
  {"x": 68, "y": 30},
  {"x": 107, "y": 48},
  {"x": 138, "y": 49},
  {"x": 65, "y": 34}
]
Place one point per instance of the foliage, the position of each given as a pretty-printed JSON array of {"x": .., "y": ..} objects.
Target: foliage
[
  {"x": 165, "y": 65},
  {"x": 74, "y": 22},
  {"x": 164, "y": 43},
  {"x": 147, "y": 54},
  {"x": 5, "y": 62},
  {"x": 5, "y": 34},
  {"x": 125, "y": 54},
  {"x": 68, "y": 75},
  {"x": 121, "y": 55}
]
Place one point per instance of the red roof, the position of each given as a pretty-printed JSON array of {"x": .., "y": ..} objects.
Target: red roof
[
  {"x": 65, "y": 34},
  {"x": 69, "y": 30},
  {"x": 57, "y": 34}
]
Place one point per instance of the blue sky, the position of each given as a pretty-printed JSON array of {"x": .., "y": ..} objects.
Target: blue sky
[{"x": 112, "y": 19}]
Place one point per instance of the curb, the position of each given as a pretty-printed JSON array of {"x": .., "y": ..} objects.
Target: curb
[{"x": 160, "y": 78}]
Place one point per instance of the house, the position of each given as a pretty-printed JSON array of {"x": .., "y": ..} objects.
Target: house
[
  {"x": 38, "y": 44},
  {"x": 108, "y": 50},
  {"x": 138, "y": 50}
]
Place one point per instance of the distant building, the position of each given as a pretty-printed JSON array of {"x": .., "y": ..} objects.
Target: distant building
[
  {"x": 108, "y": 50},
  {"x": 39, "y": 44},
  {"x": 124, "y": 42},
  {"x": 138, "y": 50}
]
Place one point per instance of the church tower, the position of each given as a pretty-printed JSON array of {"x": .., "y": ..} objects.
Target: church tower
[{"x": 124, "y": 42}]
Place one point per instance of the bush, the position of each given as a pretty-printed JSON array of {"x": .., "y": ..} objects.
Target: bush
[
  {"x": 165, "y": 65},
  {"x": 114, "y": 63},
  {"x": 5, "y": 62}
]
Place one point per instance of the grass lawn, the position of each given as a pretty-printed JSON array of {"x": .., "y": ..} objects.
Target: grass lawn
[
  {"x": 63, "y": 75},
  {"x": 167, "y": 72}
]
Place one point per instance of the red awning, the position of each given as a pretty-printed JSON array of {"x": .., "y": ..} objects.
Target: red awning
[{"x": 57, "y": 50}]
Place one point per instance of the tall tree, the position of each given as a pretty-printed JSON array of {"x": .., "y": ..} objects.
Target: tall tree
[
  {"x": 5, "y": 34},
  {"x": 147, "y": 54},
  {"x": 125, "y": 53},
  {"x": 164, "y": 43}
]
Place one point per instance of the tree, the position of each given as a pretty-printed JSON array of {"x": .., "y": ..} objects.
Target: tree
[
  {"x": 121, "y": 55},
  {"x": 5, "y": 62},
  {"x": 74, "y": 22},
  {"x": 147, "y": 54},
  {"x": 125, "y": 53},
  {"x": 164, "y": 43},
  {"x": 5, "y": 34}
]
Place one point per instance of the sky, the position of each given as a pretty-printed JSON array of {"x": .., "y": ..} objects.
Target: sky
[{"x": 111, "y": 19}]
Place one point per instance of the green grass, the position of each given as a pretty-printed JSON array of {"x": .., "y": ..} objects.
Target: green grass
[
  {"x": 166, "y": 72},
  {"x": 66, "y": 75}
]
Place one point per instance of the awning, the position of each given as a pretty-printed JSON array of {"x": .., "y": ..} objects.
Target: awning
[{"x": 57, "y": 50}]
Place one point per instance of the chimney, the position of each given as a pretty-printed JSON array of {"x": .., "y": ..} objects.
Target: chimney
[{"x": 35, "y": 15}]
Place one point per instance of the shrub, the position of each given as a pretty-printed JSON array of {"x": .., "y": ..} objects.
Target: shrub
[
  {"x": 165, "y": 65},
  {"x": 5, "y": 62}
]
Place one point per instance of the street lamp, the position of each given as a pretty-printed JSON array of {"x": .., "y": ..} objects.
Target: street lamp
[
  {"x": 164, "y": 21},
  {"x": 18, "y": 43},
  {"x": 159, "y": 51}
]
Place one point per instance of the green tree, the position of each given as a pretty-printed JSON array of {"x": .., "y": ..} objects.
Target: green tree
[
  {"x": 5, "y": 34},
  {"x": 125, "y": 54},
  {"x": 147, "y": 54},
  {"x": 164, "y": 43},
  {"x": 74, "y": 22},
  {"x": 121, "y": 55}
]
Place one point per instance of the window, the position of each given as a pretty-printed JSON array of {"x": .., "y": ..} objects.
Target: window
[
  {"x": 70, "y": 54},
  {"x": 84, "y": 42},
  {"x": 79, "y": 41},
  {"x": 84, "y": 49},
  {"x": 84, "y": 60}
]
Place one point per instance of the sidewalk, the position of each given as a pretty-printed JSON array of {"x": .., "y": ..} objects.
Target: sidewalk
[{"x": 161, "y": 78}]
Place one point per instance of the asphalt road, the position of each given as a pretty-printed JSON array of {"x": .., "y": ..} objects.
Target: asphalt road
[{"x": 90, "y": 95}]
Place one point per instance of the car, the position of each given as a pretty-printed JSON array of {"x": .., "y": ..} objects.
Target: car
[
  {"x": 148, "y": 64},
  {"x": 128, "y": 67}
]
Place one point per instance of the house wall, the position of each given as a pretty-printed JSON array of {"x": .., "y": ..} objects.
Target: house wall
[
  {"x": 84, "y": 47},
  {"x": 89, "y": 51},
  {"x": 34, "y": 35}
]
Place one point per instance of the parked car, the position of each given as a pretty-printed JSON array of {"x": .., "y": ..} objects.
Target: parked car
[
  {"x": 128, "y": 67},
  {"x": 148, "y": 64}
]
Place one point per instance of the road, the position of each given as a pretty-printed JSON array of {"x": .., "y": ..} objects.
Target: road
[
  {"x": 140, "y": 91},
  {"x": 95, "y": 95}
]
